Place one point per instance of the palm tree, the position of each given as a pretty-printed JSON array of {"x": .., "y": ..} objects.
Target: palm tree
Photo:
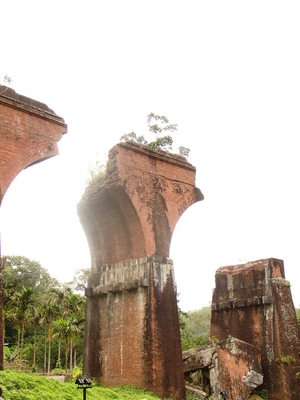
[
  {"x": 58, "y": 299},
  {"x": 34, "y": 321},
  {"x": 79, "y": 331},
  {"x": 62, "y": 329},
  {"x": 74, "y": 309},
  {"x": 66, "y": 329},
  {"x": 49, "y": 311},
  {"x": 24, "y": 303},
  {"x": 43, "y": 322}
]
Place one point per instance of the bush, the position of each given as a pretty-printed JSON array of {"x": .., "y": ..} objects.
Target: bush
[{"x": 77, "y": 373}]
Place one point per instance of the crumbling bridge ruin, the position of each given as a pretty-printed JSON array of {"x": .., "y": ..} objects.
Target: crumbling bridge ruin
[
  {"x": 29, "y": 132},
  {"x": 254, "y": 334},
  {"x": 132, "y": 331}
]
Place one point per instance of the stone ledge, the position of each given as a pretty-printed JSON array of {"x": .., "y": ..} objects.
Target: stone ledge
[
  {"x": 12, "y": 99},
  {"x": 240, "y": 303},
  {"x": 158, "y": 154},
  {"x": 127, "y": 271},
  {"x": 103, "y": 290}
]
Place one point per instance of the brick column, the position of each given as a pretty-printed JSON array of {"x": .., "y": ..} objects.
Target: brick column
[{"x": 129, "y": 215}]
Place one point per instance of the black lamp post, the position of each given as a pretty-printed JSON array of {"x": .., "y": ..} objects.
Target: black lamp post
[{"x": 84, "y": 384}]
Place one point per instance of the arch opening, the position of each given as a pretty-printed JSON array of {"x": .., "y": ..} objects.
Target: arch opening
[
  {"x": 194, "y": 256},
  {"x": 112, "y": 225}
]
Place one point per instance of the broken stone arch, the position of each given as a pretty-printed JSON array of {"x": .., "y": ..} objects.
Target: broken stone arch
[{"x": 29, "y": 133}]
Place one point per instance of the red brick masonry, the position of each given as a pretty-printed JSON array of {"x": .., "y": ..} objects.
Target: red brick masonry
[
  {"x": 132, "y": 329},
  {"x": 253, "y": 302},
  {"x": 29, "y": 132},
  {"x": 230, "y": 365}
]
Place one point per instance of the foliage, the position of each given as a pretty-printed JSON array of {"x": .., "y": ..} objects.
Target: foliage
[
  {"x": 21, "y": 386},
  {"x": 298, "y": 316},
  {"x": 20, "y": 272},
  {"x": 194, "y": 328},
  {"x": 191, "y": 396},
  {"x": 9, "y": 355},
  {"x": 263, "y": 394},
  {"x": 79, "y": 282},
  {"x": 96, "y": 172},
  {"x": 288, "y": 359},
  {"x": 163, "y": 126},
  {"x": 164, "y": 143},
  {"x": 131, "y": 137},
  {"x": 157, "y": 124},
  {"x": 197, "y": 377},
  {"x": 184, "y": 151},
  {"x": 30, "y": 313},
  {"x": 6, "y": 79},
  {"x": 77, "y": 373}
]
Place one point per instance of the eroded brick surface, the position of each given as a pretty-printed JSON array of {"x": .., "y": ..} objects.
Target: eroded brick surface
[
  {"x": 132, "y": 328},
  {"x": 230, "y": 365},
  {"x": 253, "y": 303},
  {"x": 132, "y": 211},
  {"x": 29, "y": 132}
]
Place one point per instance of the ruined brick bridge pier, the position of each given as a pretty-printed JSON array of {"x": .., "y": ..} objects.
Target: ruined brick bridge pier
[
  {"x": 132, "y": 331},
  {"x": 29, "y": 133}
]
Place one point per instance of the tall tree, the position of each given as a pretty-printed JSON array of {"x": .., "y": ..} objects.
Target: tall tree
[
  {"x": 47, "y": 306},
  {"x": 34, "y": 322},
  {"x": 24, "y": 301},
  {"x": 79, "y": 281},
  {"x": 25, "y": 305},
  {"x": 49, "y": 312},
  {"x": 21, "y": 272},
  {"x": 65, "y": 328},
  {"x": 58, "y": 299},
  {"x": 74, "y": 311}
]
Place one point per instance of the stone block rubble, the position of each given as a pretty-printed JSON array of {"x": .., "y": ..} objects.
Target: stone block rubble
[{"x": 255, "y": 333}]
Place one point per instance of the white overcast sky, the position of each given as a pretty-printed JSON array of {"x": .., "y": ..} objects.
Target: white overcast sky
[{"x": 227, "y": 72}]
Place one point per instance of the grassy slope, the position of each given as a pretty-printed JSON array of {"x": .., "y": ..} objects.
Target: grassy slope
[{"x": 20, "y": 386}]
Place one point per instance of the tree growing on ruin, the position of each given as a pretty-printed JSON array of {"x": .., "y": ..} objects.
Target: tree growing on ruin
[{"x": 157, "y": 124}]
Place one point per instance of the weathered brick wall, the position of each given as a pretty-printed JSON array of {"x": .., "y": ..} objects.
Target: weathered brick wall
[
  {"x": 29, "y": 132},
  {"x": 132, "y": 212},
  {"x": 132, "y": 328},
  {"x": 129, "y": 316},
  {"x": 231, "y": 365},
  {"x": 114, "y": 337},
  {"x": 253, "y": 303}
]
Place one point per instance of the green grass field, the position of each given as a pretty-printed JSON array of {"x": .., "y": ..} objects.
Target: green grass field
[{"x": 22, "y": 386}]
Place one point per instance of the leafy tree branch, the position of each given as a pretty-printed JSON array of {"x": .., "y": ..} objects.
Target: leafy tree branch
[{"x": 157, "y": 124}]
